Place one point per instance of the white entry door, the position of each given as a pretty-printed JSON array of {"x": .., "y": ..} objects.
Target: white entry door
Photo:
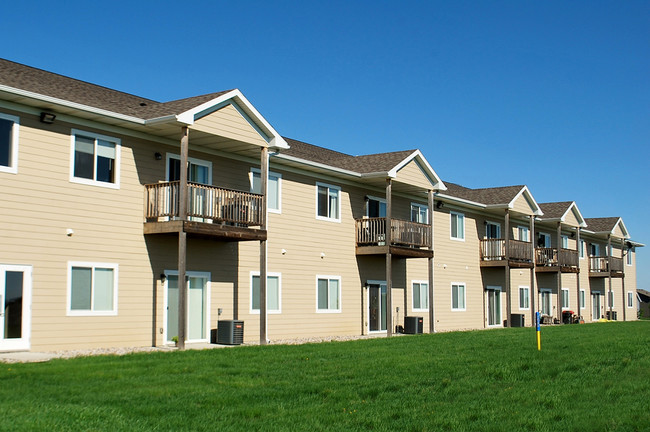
[
  {"x": 15, "y": 307},
  {"x": 197, "y": 313}
]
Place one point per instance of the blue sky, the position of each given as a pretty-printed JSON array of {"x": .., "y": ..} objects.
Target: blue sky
[{"x": 551, "y": 94}]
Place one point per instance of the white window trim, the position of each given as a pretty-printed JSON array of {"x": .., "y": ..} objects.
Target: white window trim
[
  {"x": 546, "y": 235},
  {"x": 494, "y": 288},
  {"x": 582, "y": 253},
  {"x": 451, "y": 234},
  {"x": 271, "y": 174},
  {"x": 421, "y": 206},
  {"x": 208, "y": 287},
  {"x": 93, "y": 265},
  {"x": 195, "y": 161},
  {"x": 451, "y": 290},
  {"x": 562, "y": 238},
  {"x": 250, "y": 291},
  {"x": 610, "y": 296},
  {"x": 528, "y": 295},
  {"x": 13, "y": 168},
  {"x": 522, "y": 227},
  {"x": 629, "y": 261},
  {"x": 499, "y": 234},
  {"x": 118, "y": 163},
  {"x": 583, "y": 299},
  {"x": 413, "y": 308},
  {"x": 630, "y": 295},
  {"x": 329, "y": 186},
  {"x": 328, "y": 278},
  {"x": 568, "y": 297}
]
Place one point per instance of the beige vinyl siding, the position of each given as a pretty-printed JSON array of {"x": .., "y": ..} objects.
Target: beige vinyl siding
[
  {"x": 618, "y": 232},
  {"x": 228, "y": 122},
  {"x": 523, "y": 205},
  {"x": 572, "y": 218},
  {"x": 413, "y": 174}
]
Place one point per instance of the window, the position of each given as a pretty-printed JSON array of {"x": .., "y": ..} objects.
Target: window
[
  {"x": 582, "y": 299},
  {"x": 273, "y": 292},
  {"x": 610, "y": 298},
  {"x": 543, "y": 240},
  {"x": 492, "y": 230},
  {"x": 628, "y": 257},
  {"x": 458, "y": 296},
  {"x": 582, "y": 249},
  {"x": 92, "y": 289},
  {"x": 420, "y": 296},
  {"x": 274, "y": 189},
  {"x": 375, "y": 207},
  {"x": 630, "y": 299},
  {"x": 524, "y": 298},
  {"x": 565, "y": 298},
  {"x": 198, "y": 170},
  {"x": 419, "y": 213},
  {"x": 95, "y": 159},
  {"x": 328, "y": 294},
  {"x": 523, "y": 233},
  {"x": 328, "y": 202},
  {"x": 457, "y": 221},
  {"x": 594, "y": 250},
  {"x": 565, "y": 242},
  {"x": 8, "y": 143}
]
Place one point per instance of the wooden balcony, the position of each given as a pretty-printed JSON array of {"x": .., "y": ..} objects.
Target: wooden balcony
[
  {"x": 493, "y": 253},
  {"x": 553, "y": 259},
  {"x": 600, "y": 266},
  {"x": 211, "y": 212},
  {"x": 408, "y": 239}
]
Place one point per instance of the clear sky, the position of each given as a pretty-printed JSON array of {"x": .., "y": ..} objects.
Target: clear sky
[{"x": 552, "y": 94}]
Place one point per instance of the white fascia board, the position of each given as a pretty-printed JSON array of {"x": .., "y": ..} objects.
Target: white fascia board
[
  {"x": 626, "y": 233},
  {"x": 460, "y": 200},
  {"x": 317, "y": 165},
  {"x": 275, "y": 140},
  {"x": 575, "y": 206},
  {"x": 69, "y": 104},
  {"x": 524, "y": 190},
  {"x": 418, "y": 154},
  {"x": 636, "y": 244}
]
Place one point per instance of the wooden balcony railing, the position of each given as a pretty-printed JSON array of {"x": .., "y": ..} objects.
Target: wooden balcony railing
[
  {"x": 372, "y": 232},
  {"x": 204, "y": 204},
  {"x": 599, "y": 264},
  {"x": 552, "y": 257},
  {"x": 495, "y": 249}
]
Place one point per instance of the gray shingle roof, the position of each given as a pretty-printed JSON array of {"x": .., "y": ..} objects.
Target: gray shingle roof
[
  {"x": 488, "y": 196},
  {"x": 58, "y": 86},
  {"x": 379, "y": 162},
  {"x": 555, "y": 210},
  {"x": 605, "y": 224}
]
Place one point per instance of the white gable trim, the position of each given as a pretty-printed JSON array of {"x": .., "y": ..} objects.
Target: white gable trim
[
  {"x": 524, "y": 190},
  {"x": 428, "y": 170}
]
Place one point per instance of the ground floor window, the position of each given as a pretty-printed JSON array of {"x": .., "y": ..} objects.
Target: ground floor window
[
  {"x": 328, "y": 294},
  {"x": 273, "y": 292},
  {"x": 630, "y": 299},
  {"x": 458, "y": 296},
  {"x": 565, "y": 298},
  {"x": 524, "y": 298},
  {"x": 582, "y": 299},
  {"x": 420, "y": 295},
  {"x": 92, "y": 288}
]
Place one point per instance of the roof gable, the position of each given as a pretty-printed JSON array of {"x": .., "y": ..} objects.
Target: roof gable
[
  {"x": 564, "y": 211},
  {"x": 608, "y": 225}
]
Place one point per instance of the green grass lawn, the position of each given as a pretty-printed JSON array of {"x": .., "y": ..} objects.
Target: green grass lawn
[{"x": 592, "y": 377}]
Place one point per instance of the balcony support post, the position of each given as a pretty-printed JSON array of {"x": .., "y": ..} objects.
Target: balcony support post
[
  {"x": 609, "y": 274},
  {"x": 578, "y": 274},
  {"x": 264, "y": 176},
  {"x": 430, "y": 263},
  {"x": 507, "y": 251},
  {"x": 182, "y": 240},
  {"x": 389, "y": 260},
  {"x": 559, "y": 272},
  {"x": 624, "y": 304},
  {"x": 533, "y": 294}
]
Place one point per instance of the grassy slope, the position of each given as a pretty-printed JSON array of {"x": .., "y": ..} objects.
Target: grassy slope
[{"x": 587, "y": 377}]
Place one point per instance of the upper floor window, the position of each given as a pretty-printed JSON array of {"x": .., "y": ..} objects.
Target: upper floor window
[
  {"x": 8, "y": 143},
  {"x": 565, "y": 242},
  {"x": 375, "y": 207},
  {"x": 457, "y": 221},
  {"x": 92, "y": 289},
  {"x": 523, "y": 233},
  {"x": 420, "y": 295},
  {"x": 198, "y": 170},
  {"x": 492, "y": 230},
  {"x": 419, "y": 213},
  {"x": 594, "y": 250},
  {"x": 328, "y": 294},
  {"x": 543, "y": 240},
  {"x": 95, "y": 159},
  {"x": 582, "y": 248},
  {"x": 630, "y": 299},
  {"x": 628, "y": 257},
  {"x": 274, "y": 195},
  {"x": 328, "y": 202}
]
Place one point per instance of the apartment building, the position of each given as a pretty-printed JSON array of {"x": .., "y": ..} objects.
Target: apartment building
[{"x": 99, "y": 224}]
